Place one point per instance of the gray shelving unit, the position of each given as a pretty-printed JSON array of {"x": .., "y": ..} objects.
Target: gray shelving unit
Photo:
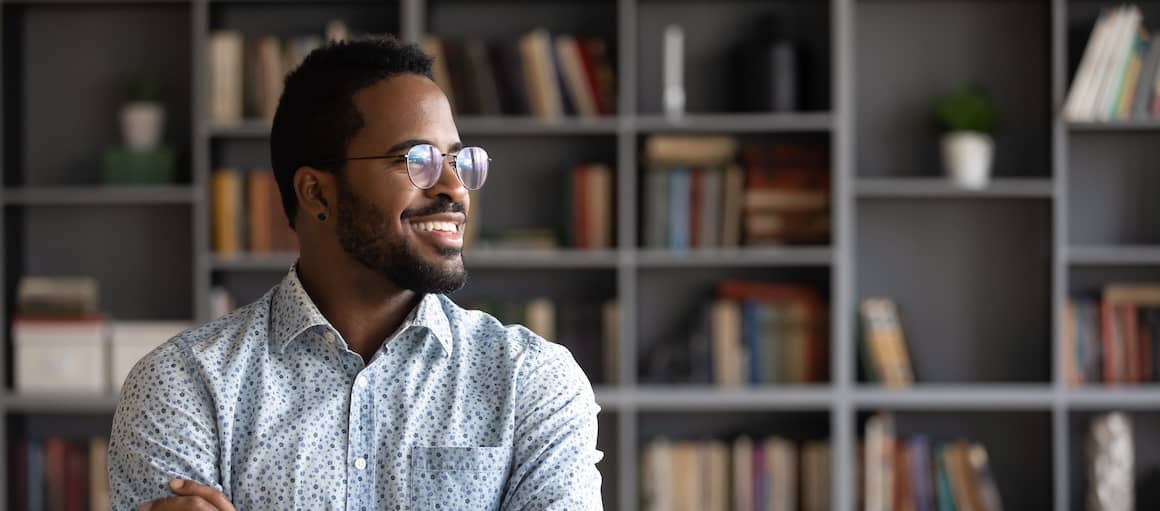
[{"x": 980, "y": 275}]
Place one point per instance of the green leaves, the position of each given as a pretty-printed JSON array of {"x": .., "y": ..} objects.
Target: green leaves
[{"x": 967, "y": 109}]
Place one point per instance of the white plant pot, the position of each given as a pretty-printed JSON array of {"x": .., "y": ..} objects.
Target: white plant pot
[
  {"x": 967, "y": 157},
  {"x": 142, "y": 124}
]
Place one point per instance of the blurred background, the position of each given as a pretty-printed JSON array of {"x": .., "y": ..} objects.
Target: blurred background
[{"x": 845, "y": 254}]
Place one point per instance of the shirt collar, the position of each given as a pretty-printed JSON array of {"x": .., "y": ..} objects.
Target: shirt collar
[{"x": 293, "y": 312}]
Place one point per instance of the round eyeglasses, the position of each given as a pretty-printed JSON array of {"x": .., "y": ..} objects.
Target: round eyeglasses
[{"x": 425, "y": 165}]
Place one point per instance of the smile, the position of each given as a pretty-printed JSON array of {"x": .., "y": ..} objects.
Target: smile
[{"x": 449, "y": 227}]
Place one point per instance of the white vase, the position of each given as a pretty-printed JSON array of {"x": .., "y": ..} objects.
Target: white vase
[
  {"x": 141, "y": 125},
  {"x": 967, "y": 157}
]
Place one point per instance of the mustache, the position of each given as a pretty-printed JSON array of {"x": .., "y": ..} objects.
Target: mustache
[{"x": 442, "y": 205}]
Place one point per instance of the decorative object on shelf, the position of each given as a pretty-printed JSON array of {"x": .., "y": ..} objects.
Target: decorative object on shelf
[
  {"x": 60, "y": 340},
  {"x": 674, "y": 73},
  {"x": 142, "y": 159},
  {"x": 967, "y": 118},
  {"x": 771, "y": 65},
  {"x": 1110, "y": 449}
]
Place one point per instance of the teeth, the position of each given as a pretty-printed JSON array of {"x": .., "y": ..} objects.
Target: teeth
[{"x": 436, "y": 226}]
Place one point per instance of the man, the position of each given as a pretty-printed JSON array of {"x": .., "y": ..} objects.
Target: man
[{"x": 354, "y": 383}]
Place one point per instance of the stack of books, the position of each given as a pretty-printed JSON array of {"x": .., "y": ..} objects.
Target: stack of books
[
  {"x": 774, "y": 474},
  {"x": 698, "y": 194},
  {"x": 539, "y": 75},
  {"x": 915, "y": 473},
  {"x": 1119, "y": 74},
  {"x": 246, "y": 72},
  {"x": 753, "y": 333},
  {"x": 1113, "y": 338},
  {"x": 55, "y": 473},
  {"x": 247, "y": 215}
]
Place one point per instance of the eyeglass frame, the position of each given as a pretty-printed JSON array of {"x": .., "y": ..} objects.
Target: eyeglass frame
[{"x": 403, "y": 158}]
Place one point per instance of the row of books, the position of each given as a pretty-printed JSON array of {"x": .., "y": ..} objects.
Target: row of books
[
  {"x": 246, "y": 213},
  {"x": 772, "y": 474},
  {"x": 589, "y": 330},
  {"x": 1119, "y": 73},
  {"x": 538, "y": 74},
  {"x": 918, "y": 474},
  {"x": 58, "y": 474},
  {"x": 752, "y": 333},
  {"x": 246, "y": 73},
  {"x": 699, "y": 194},
  {"x": 1113, "y": 338}
]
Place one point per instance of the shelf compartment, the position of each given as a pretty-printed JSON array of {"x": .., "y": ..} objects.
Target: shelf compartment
[
  {"x": 972, "y": 281},
  {"x": 999, "y": 46}
]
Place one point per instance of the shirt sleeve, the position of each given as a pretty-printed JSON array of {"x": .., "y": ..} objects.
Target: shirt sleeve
[
  {"x": 163, "y": 428},
  {"x": 554, "y": 465}
]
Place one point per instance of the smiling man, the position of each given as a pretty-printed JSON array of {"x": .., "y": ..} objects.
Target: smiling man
[{"x": 355, "y": 384}]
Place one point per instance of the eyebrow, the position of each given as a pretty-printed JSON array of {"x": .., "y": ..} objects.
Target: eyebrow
[{"x": 407, "y": 144}]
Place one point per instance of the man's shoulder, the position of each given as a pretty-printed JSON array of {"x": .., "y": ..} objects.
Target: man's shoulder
[
  {"x": 476, "y": 330},
  {"x": 244, "y": 325}
]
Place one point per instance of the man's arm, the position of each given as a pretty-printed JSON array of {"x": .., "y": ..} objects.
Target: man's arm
[
  {"x": 555, "y": 436},
  {"x": 163, "y": 429}
]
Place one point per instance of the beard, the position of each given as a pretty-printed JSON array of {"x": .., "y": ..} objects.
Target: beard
[{"x": 363, "y": 234}]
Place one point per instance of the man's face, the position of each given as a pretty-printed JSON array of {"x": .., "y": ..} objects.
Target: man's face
[{"x": 413, "y": 237}]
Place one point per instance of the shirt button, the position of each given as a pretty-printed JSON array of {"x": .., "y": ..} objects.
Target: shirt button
[
  {"x": 329, "y": 336},
  {"x": 360, "y": 464},
  {"x": 362, "y": 382}
]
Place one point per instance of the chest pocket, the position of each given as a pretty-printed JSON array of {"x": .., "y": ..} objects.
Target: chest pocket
[{"x": 453, "y": 478}]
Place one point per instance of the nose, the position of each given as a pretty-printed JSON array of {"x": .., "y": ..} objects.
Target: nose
[{"x": 449, "y": 183}]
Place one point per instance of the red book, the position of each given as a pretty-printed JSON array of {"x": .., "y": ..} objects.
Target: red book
[
  {"x": 55, "y": 460},
  {"x": 1145, "y": 336},
  {"x": 590, "y": 78},
  {"x": 1112, "y": 356},
  {"x": 76, "y": 477},
  {"x": 580, "y": 206}
]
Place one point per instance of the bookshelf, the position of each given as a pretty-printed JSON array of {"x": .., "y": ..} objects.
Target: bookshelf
[{"x": 980, "y": 275}]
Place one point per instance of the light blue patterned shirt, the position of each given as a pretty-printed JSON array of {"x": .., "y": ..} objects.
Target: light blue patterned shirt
[{"x": 268, "y": 404}]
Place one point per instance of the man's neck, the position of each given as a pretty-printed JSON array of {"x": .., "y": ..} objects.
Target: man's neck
[{"x": 363, "y": 305}]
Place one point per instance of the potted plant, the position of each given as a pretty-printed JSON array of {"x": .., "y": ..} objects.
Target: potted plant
[
  {"x": 967, "y": 119},
  {"x": 143, "y": 115}
]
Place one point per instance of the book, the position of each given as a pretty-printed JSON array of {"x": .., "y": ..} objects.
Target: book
[
  {"x": 879, "y": 463},
  {"x": 1144, "y": 87},
  {"x": 576, "y": 83},
  {"x": 227, "y": 210},
  {"x": 99, "y": 498},
  {"x": 688, "y": 150},
  {"x": 743, "y": 473},
  {"x": 884, "y": 343},
  {"x": 226, "y": 69},
  {"x": 57, "y": 297}
]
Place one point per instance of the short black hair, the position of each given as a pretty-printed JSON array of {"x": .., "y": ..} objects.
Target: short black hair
[{"x": 317, "y": 117}]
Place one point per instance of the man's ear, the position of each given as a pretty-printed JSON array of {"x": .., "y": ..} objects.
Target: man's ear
[{"x": 316, "y": 192}]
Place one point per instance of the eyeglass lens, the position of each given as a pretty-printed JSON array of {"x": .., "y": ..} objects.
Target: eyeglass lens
[{"x": 425, "y": 165}]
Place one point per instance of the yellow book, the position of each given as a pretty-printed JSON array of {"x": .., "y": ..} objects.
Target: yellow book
[{"x": 226, "y": 211}]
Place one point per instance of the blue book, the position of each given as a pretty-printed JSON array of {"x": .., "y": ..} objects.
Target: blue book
[
  {"x": 679, "y": 189},
  {"x": 751, "y": 339},
  {"x": 946, "y": 497},
  {"x": 920, "y": 475},
  {"x": 35, "y": 475}
]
